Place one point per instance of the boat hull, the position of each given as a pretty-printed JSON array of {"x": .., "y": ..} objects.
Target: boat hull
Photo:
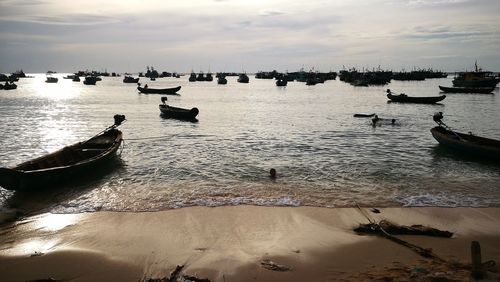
[
  {"x": 417, "y": 100},
  {"x": 63, "y": 165},
  {"x": 467, "y": 143},
  {"x": 480, "y": 90},
  {"x": 178, "y": 113},
  {"x": 166, "y": 91}
]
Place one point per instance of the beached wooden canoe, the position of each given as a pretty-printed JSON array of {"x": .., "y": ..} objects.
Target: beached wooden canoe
[
  {"x": 166, "y": 91},
  {"x": 467, "y": 143},
  {"x": 66, "y": 163},
  {"x": 403, "y": 98},
  {"x": 177, "y": 113},
  {"x": 480, "y": 90}
]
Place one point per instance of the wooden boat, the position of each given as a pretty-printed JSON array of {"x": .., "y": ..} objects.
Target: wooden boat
[
  {"x": 130, "y": 79},
  {"x": 167, "y": 91},
  {"x": 403, "y": 98},
  {"x": 221, "y": 80},
  {"x": 243, "y": 78},
  {"x": 51, "y": 79},
  {"x": 76, "y": 78},
  {"x": 476, "y": 78},
  {"x": 480, "y": 90},
  {"x": 66, "y": 163},
  {"x": 466, "y": 143},
  {"x": 364, "y": 115},
  {"x": 8, "y": 86},
  {"x": 177, "y": 113},
  {"x": 90, "y": 80}
]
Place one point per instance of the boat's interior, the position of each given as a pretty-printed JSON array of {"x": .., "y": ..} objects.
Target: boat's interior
[{"x": 71, "y": 155}]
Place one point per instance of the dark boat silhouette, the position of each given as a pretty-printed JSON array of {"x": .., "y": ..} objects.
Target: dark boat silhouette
[
  {"x": 166, "y": 91},
  {"x": 177, "y": 113},
  {"x": 65, "y": 163},
  {"x": 480, "y": 90},
  {"x": 403, "y": 98}
]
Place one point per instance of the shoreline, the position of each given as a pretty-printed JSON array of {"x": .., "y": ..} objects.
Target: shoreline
[{"x": 241, "y": 243}]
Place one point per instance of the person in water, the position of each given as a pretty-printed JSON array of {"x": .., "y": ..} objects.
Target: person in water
[{"x": 272, "y": 173}]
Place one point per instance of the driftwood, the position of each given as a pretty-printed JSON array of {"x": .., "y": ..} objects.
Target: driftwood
[{"x": 394, "y": 229}]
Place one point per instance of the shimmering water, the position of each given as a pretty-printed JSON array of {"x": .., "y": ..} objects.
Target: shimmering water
[{"x": 324, "y": 156}]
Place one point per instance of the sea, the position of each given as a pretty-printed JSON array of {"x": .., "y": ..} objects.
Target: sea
[{"x": 323, "y": 155}]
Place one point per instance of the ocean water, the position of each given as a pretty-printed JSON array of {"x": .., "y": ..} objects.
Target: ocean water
[{"x": 324, "y": 156}]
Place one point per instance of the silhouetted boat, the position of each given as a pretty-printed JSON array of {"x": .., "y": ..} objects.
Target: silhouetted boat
[
  {"x": 130, "y": 79},
  {"x": 403, "y": 98},
  {"x": 76, "y": 78},
  {"x": 221, "y": 80},
  {"x": 480, "y": 90},
  {"x": 168, "y": 91},
  {"x": 66, "y": 163},
  {"x": 364, "y": 115},
  {"x": 200, "y": 77},
  {"x": 209, "y": 77},
  {"x": 465, "y": 143},
  {"x": 281, "y": 82},
  {"x": 51, "y": 79},
  {"x": 177, "y": 113},
  {"x": 8, "y": 86},
  {"x": 476, "y": 78},
  {"x": 192, "y": 77},
  {"x": 243, "y": 78},
  {"x": 90, "y": 80}
]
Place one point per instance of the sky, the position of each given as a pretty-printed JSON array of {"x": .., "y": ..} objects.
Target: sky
[{"x": 248, "y": 35}]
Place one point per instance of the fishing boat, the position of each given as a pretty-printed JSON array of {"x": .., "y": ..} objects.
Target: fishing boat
[
  {"x": 209, "y": 77},
  {"x": 76, "y": 78},
  {"x": 479, "y": 90},
  {"x": 192, "y": 76},
  {"x": 465, "y": 143},
  {"x": 403, "y": 98},
  {"x": 476, "y": 78},
  {"x": 90, "y": 80},
  {"x": 66, "y": 163},
  {"x": 177, "y": 113},
  {"x": 8, "y": 86},
  {"x": 167, "y": 91},
  {"x": 281, "y": 82},
  {"x": 130, "y": 79},
  {"x": 221, "y": 80},
  {"x": 51, "y": 79},
  {"x": 243, "y": 78}
]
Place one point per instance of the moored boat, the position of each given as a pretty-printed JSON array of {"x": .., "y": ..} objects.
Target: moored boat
[
  {"x": 221, "y": 80},
  {"x": 66, "y": 163},
  {"x": 90, "y": 80},
  {"x": 51, "y": 79},
  {"x": 167, "y": 91},
  {"x": 8, "y": 86},
  {"x": 480, "y": 90},
  {"x": 281, "y": 82},
  {"x": 130, "y": 79},
  {"x": 243, "y": 78},
  {"x": 177, "y": 113},
  {"x": 403, "y": 98},
  {"x": 465, "y": 143},
  {"x": 476, "y": 78}
]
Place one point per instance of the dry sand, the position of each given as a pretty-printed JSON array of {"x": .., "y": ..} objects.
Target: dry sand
[{"x": 230, "y": 244}]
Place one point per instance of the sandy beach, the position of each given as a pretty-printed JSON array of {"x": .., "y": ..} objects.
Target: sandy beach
[{"x": 244, "y": 243}]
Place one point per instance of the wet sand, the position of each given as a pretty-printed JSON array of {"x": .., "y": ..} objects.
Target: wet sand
[{"x": 241, "y": 243}]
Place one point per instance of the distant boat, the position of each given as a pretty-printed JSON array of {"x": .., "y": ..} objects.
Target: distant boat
[
  {"x": 51, "y": 79},
  {"x": 130, "y": 79},
  {"x": 90, "y": 80},
  {"x": 200, "y": 77},
  {"x": 465, "y": 143},
  {"x": 167, "y": 91},
  {"x": 281, "y": 82},
  {"x": 243, "y": 78},
  {"x": 8, "y": 86},
  {"x": 480, "y": 90},
  {"x": 403, "y": 98},
  {"x": 66, "y": 163},
  {"x": 177, "y": 113},
  {"x": 221, "y": 80},
  {"x": 209, "y": 77},
  {"x": 476, "y": 78},
  {"x": 69, "y": 76},
  {"x": 192, "y": 77},
  {"x": 76, "y": 78}
]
